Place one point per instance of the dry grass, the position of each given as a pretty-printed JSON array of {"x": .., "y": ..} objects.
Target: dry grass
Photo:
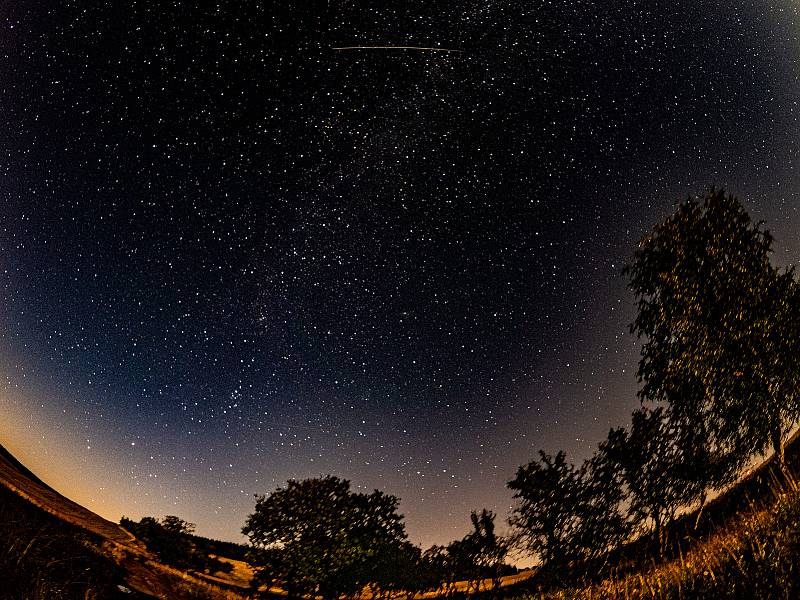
[
  {"x": 756, "y": 554},
  {"x": 42, "y": 558},
  {"x": 52, "y": 548}
]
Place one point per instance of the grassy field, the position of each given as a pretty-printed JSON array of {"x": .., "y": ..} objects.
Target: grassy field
[
  {"x": 755, "y": 555},
  {"x": 42, "y": 557},
  {"x": 744, "y": 544},
  {"x": 54, "y": 549}
]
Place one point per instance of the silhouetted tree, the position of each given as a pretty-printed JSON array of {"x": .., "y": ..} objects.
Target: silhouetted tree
[
  {"x": 570, "y": 515},
  {"x": 778, "y": 370},
  {"x": 439, "y": 570},
  {"x": 602, "y": 525},
  {"x": 720, "y": 329},
  {"x": 487, "y": 550},
  {"x": 400, "y": 569},
  {"x": 316, "y": 537},
  {"x": 654, "y": 471},
  {"x": 171, "y": 540},
  {"x": 460, "y": 564},
  {"x": 547, "y": 516}
]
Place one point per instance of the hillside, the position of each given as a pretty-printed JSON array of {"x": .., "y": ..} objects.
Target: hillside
[
  {"x": 51, "y": 547},
  {"x": 745, "y": 543}
]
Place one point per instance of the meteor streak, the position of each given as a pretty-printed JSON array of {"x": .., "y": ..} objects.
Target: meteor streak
[{"x": 418, "y": 48}]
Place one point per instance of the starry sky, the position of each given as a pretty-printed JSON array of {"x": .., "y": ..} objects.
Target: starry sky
[{"x": 232, "y": 253}]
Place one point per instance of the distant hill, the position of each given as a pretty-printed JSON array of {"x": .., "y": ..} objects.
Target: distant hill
[
  {"x": 230, "y": 550},
  {"x": 23, "y": 470}
]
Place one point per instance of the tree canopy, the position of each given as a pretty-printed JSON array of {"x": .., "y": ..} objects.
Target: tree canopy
[
  {"x": 317, "y": 537},
  {"x": 719, "y": 327},
  {"x": 566, "y": 514},
  {"x": 549, "y": 495}
]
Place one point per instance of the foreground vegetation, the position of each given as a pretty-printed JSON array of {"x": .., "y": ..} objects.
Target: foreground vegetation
[
  {"x": 747, "y": 545},
  {"x": 43, "y": 558},
  {"x": 755, "y": 553}
]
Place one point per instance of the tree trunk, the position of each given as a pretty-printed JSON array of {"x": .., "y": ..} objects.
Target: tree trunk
[
  {"x": 703, "y": 497},
  {"x": 777, "y": 444},
  {"x": 657, "y": 532}
]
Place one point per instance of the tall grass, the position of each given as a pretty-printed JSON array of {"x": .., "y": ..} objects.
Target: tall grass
[
  {"x": 42, "y": 558},
  {"x": 756, "y": 554}
]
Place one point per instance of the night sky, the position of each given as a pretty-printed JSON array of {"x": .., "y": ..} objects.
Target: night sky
[{"x": 232, "y": 254}]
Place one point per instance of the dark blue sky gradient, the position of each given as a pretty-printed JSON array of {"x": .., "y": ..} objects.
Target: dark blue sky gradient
[{"x": 233, "y": 255}]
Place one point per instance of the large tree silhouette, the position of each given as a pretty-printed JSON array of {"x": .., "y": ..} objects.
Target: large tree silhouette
[
  {"x": 316, "y": 537},
  {"x": 720, "y": 330}
]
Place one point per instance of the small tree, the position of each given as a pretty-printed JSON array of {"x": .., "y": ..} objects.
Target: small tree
[
  {"x": 654, "y": 471},
  {"x": 439, "y": 574},
  {"x": 479, "y": 555},
  {"x": 547, "y": 516},
  {"x": 568, "y": 514},
  {"x": 460, "y": 565},
  {"x": 316, "y": 537},
  {"x": 603, "y": 526},
  {"x": 488, "y": 549},
  {"x": 400, "y": 569}
]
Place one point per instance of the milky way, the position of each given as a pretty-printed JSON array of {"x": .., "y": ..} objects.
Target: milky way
[{"x": 233, "y": 253}]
